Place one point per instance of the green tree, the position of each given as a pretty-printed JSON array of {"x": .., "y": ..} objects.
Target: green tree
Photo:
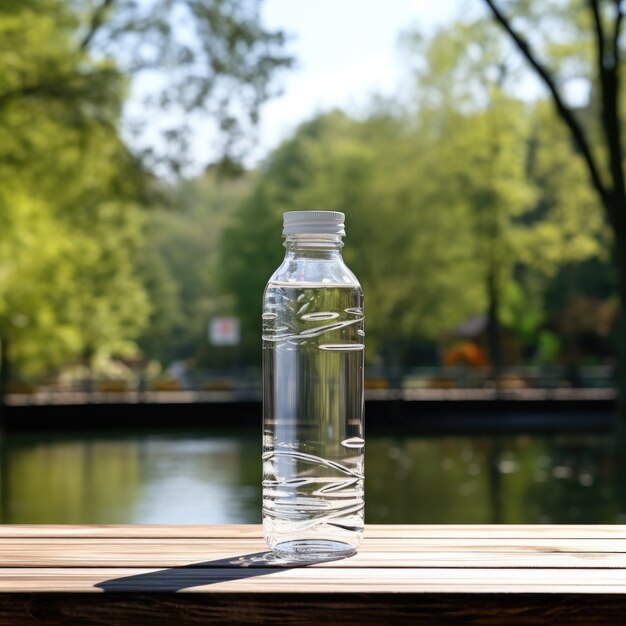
[
  {"x": 192, "y": 61},
  {"x": 415, "y": 265},
  {"x": 482, "y": 152},
  {"x": 181, "y": 269},
  {"x": 509, "y": 162},
  {"x": 68, "y": 199},
  {"x": 597, "y": 23},
  {"x": 71, "y": 191}
]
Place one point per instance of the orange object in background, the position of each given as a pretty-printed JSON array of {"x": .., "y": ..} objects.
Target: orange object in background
[{"x": 467, "y": 353}]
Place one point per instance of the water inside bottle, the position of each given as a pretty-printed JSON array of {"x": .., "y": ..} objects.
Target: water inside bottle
[{"x": 313, "y": 427}]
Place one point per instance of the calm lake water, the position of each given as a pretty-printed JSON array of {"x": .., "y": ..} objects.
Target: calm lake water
[{"x": 212, "y": 478}]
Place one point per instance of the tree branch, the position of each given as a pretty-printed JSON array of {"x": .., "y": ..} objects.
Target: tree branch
[
  {"x": 597, "y": 23},
  {"x": 563, "y": 110},
  {"x": 72, "y": 86},
  {"x": 47, "y": 89},
  {"x": 97, "y": 19},
  {"x": 617, "y": 31},
  {"x": 608, "y": 77}
]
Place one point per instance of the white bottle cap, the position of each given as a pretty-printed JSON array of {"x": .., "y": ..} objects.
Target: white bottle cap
[{"x": 313, "y": 222}]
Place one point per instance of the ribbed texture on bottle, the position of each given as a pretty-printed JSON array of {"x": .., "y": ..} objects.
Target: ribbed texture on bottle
[{"x": 313, "y": 222}]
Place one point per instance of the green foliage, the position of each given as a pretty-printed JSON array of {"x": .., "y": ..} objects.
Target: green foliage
[
  {"x": 76, "y": 274},
  {"x": 68, "y": 199},
  {"x": 512, "y": 163},
  {"x": 180, "y": 268},
  {"x": 585, "y": 44},
  {"x": 192, "y": 60},
  {"x": 414, "y": 261},
  {"x": 472, "y": 195},
  {"x": 568, "y": 225},
  {"x": 476, "y": 195}
]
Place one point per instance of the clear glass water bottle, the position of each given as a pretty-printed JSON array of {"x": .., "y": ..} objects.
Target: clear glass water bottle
[{"x": 313, "y": 350}]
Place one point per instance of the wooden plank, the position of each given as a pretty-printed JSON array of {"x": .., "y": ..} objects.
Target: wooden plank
[
  {"x": 312, "y": 580},
  {"x": 134, "y": 575},
  {"x": 471, "y": 531},
  {"x": 130, "y": 530},
  {"x": 301, "y": 610},
  {"x": 363, "y": 560},
  {"x": 501, "y": 531},
  {"x": 237, "y": 552}
]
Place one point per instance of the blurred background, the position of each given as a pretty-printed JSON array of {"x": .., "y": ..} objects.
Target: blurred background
[{"x": 148, "y": 149}]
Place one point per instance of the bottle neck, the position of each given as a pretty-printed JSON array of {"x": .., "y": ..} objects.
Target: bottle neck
[{"x": 314, "y": 245}]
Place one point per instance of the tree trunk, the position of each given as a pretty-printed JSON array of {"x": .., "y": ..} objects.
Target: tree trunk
[
  {"x": 613, "y": 196},
  {"x": 4, "y": 378},
  {"x": 620, "y": 252},
  {"x": 493, "y": 327}
]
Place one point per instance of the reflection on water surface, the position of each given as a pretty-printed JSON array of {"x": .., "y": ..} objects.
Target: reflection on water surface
[{"x": 210, "y": 478}]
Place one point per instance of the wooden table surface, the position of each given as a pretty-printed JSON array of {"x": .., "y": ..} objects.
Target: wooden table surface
[{"x": 223, "y": 574}]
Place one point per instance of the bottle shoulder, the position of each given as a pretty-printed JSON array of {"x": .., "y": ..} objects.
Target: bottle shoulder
[{"x": 313, "y": 274}]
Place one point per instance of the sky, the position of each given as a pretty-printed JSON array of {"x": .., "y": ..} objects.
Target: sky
[{"x": 345, "y": 51}]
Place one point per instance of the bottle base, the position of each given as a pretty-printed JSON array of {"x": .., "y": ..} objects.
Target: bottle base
[{"x": 313, "y": 550}]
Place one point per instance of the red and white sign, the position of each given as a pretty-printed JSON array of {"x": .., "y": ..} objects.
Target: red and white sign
[{"x": 224, "y": 331}]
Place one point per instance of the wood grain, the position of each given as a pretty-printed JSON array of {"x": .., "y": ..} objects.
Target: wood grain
[
  {"x": 392, "y": 553},
  {"x": 314, "y": 581},
  {"x": 223, "y": 575},
  {"x": 124, "y": 609},
  {"x": 139, "y": 531},
  {"x": 385, "y": 531}
]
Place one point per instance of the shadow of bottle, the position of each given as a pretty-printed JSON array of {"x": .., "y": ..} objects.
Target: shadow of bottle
[{"x": 200, "y": 574}]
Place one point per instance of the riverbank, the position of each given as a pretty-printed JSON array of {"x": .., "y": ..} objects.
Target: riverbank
[{"x": 387, "y": 411}]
